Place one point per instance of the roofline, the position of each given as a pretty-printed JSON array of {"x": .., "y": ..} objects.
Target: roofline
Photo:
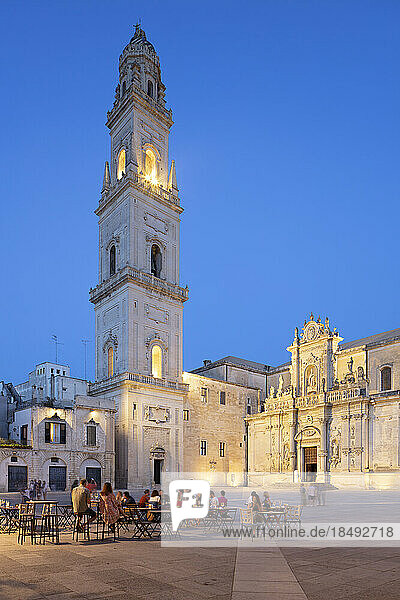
[{"x": 248, "y": 387}]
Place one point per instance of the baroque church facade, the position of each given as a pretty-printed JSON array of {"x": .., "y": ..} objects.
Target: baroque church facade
[{"x": 332, "y": 413}]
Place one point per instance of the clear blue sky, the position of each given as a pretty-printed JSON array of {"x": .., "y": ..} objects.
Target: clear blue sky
[{"x": 287, "y": 149}]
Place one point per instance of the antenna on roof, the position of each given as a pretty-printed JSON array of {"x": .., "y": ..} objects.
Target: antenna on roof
[{"x": 56, "y": 343}]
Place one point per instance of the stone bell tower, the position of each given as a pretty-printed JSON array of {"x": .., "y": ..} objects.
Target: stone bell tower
[{"x": 138, "y": 301}]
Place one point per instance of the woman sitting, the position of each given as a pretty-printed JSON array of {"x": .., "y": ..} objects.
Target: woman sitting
[
  {"x": 256, "y": 507},
  {"x": 110, "y": 509}
]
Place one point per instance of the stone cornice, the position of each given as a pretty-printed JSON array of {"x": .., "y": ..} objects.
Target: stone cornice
[
  {"x": 136, "y": 182},
  {"x": 146, "y": 103},
  {"x": 131, "y": 275}
]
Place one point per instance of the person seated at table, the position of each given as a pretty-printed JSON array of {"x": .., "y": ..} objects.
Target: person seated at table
[
  {"x": 222, "y": 501},
  {"x": 91, "y": 485},
  {"x": 266, "y": 501},
  {"x": 213, "y": 500},
  {"x": 110, "y": 508},
  {"x": 256, "y": 507},
  {"x": 144, "y": 500},
  {"x": 155, "y": 500},
  {"x": 80, "y": 496},
  {"x": 127, "y": 499},
  {"x": 118, "y": 497},
  {"x": 73, "y": 486}
]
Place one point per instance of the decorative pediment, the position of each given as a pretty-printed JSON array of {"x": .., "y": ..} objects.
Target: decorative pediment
[
  {"x": 157, "y": 452},
  {"x": 155, "y": 339},
  {"x": 113, "y": 241},
  {"x": 314, "y": 329},
  {"x": 111, "y": 340},
  {"x": 56, "y": 417}
]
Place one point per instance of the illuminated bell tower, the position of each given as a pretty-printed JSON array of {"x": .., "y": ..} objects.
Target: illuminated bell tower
[{"x": 138, "y": 301}]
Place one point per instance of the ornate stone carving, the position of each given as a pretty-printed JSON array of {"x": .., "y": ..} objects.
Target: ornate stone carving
[{"x": 157, "y": 414}]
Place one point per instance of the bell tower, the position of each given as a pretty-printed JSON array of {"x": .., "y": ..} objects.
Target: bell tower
[{"x": 138, "y": 300}]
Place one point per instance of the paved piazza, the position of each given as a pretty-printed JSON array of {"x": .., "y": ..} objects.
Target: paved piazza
[{"x": 135, "y": 569}]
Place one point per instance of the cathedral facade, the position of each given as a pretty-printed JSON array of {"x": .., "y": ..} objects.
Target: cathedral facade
[{"x": 332, "y": 413}]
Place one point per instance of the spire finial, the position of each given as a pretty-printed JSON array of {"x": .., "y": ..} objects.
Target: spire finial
[
  {"x": 106, "y": 178},
  {"x": 172, "y": 183}
]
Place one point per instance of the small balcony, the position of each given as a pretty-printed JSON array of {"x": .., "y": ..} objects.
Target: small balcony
[{"x": 130, "y": 274}]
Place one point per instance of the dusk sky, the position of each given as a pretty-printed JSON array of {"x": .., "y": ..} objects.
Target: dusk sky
[{"x": 286, "y": 141}]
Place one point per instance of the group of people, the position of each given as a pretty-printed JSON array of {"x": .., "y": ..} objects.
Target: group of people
[
  {"x": 110, "y": 508},
  {"x": 254, "y": 502},
  {"x": 110, "y": 504},
  {"x": 154, "y": 501},
  {"x": 36, "y": 490},
  {"x": 220, "y": 502},
  {"x": 314, "y": 495}
]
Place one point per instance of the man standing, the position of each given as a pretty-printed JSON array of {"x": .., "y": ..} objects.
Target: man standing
[{"x": 81, "y": 502}]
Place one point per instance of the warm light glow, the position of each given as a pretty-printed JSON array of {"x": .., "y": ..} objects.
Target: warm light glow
[
  {"x": 156, "y": 362},
  {"x": 110, "y": 361},
  {"x": 150, "y": 169},
  {"x": 55, "y": 433},
  {"x": 121, "y": 164}
]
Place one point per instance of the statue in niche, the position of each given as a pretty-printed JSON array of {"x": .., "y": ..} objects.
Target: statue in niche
[
  {"x": 285, "y": 458},
  {"x": 156, "y": 260},
  {"x": 360, "y": 372},
  {"x": 311, "y": 380},
  {"x": 272, "y": 392},
  {"x": 350, "y": 364},
  {"x": 280, "y": 385},
  {"x": 335, "y": 450}
]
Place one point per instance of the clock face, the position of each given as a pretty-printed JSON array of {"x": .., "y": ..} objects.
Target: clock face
[{"x": 311, "y": 333}]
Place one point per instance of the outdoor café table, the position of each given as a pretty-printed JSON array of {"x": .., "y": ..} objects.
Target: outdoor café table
[
  {"x": 143, "y": 527},
  {"x": 274, "y": 517},
  {"x": 8, "y": 519},
  {"x": 65, "y": 516}
]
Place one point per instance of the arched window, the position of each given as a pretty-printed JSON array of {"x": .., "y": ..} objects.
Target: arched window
[
  {"x": 112, "y": 261},
  {"x": 150, "y": 168},
  {"x": 150, "y": 88},
  {"x": 110, "y": 356},
  {"x": 156, "y": 261},
  {"x": 156, "y": 362},
  {"x": 386, "y": 379},
  {"x": 121, "y": 164}
]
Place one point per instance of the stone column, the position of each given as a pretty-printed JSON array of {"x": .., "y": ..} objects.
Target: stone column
[
  {"x": 323, "y": 451},
  {"x": 292, "y": 448}
]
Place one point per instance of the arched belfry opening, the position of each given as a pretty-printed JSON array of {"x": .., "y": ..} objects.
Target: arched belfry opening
[
  {"x": 150, "y": 88},
  {"x": 112, "y": 261},
  {"x": 156, "y": 261}
]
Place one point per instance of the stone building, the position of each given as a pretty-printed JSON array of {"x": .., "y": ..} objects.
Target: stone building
[
  {"x": 58, "y": 437},
  {"x": 214, "y": 427},
  {"x": 332, "y": 413}
]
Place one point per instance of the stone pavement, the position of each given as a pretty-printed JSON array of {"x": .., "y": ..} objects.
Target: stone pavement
[{"x": 130, "y": 569}]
